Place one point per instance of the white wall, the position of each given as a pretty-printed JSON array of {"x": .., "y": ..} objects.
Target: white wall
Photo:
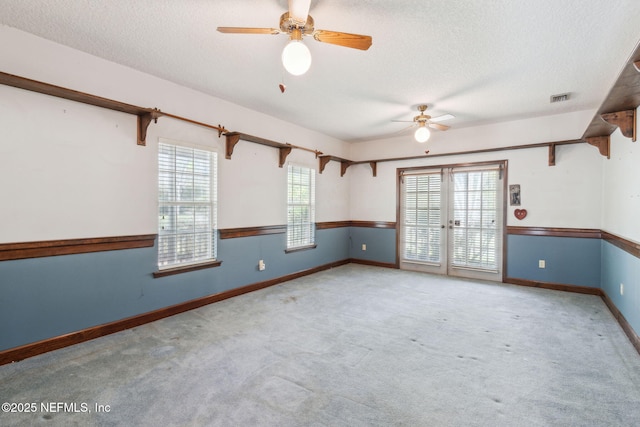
[
  {"x": 77, "y": 171},
  {"x": 559, "y": 127},
  {"x": 70, "y": 170},
  {"x": 621, "y": 188},
  {"x": 565, "y": 195}
]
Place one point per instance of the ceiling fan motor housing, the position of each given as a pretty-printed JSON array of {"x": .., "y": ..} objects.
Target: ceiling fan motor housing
[{"x": 288, "y": 24}]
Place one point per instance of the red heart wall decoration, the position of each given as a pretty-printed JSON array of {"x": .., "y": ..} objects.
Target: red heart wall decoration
[{"x": 520, "y": 213}]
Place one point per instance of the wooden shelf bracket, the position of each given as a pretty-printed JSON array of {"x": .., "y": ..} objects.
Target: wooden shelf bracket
[
  {"x": 323, "y": 162},
  {"x": 625, "y": 120},
  {"x": 284, "y": 152},
  {"x": 374, "y": 168},
  {"x": 144, "y": 120},
  {"x": 603, "y": 143},
  {"x": 552, "y": 154},
  {"x": 344, "y": 164},
  {"x": 231, "y": 140}
]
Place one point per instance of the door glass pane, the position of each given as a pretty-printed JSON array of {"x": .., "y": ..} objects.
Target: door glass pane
[
  {"x": 474, "y": 214},
  {"x": 421, "y": 218}
]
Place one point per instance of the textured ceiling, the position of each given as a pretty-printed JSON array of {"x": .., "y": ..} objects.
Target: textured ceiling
[{"x": 483, "y": 61}]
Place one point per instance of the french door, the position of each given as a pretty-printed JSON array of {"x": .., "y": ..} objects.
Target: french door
[{"x": 451, "y": 220}]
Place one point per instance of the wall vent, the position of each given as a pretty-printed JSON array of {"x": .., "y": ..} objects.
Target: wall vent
[{"x": 560, "y": 97}]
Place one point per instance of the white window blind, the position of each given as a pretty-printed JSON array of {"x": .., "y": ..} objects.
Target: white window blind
[
  {"x": 187, "y": 196},
  {"x": 300, "y": 206}
]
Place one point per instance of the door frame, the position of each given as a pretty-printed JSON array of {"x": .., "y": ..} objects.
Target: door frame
[{"x": 505, "y": 192}]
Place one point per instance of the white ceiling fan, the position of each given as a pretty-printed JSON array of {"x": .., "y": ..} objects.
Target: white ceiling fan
[
  {"x": 296, "y": 23},
  {"x": 424, "y": 122}
]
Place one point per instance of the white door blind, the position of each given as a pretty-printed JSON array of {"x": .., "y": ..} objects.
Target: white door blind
[
  {"x": 421, "y": 217},
  {"x": 475, "y": 235},
  {"x": 187, "y": 196},
  {"x": 300, "y": 206}
]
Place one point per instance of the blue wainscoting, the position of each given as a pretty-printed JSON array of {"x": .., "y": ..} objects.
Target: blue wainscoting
[
  {"x": 45, "y": 297},
  {"x": 381, "y": 244},
  {"x": 569, "y": 260},
  {"x": 41, "y": 298},
  {"x": 240, "y": 256},
  {"x": 619, "y": 266}
]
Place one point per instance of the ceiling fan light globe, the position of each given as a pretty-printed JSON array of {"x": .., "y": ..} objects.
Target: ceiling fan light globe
[
  {"x": 422, "y": 134},
  {"x": 296, "y": 58}
]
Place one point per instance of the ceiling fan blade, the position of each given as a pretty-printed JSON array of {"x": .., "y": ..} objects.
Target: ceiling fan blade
[
  {"x": 248, "y": 30},
  {"x": 442, "y": 118},
  {"x": 438, "y": 126},
  {"x": 299, "y": 10},
  {"x": 404, "y": 129},
  {"x": 355, "y": 41}
]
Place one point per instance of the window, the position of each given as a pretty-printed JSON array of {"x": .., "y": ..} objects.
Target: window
[
  {"x": 300, "y": 207},
  {"x": 187, "y": 196}
]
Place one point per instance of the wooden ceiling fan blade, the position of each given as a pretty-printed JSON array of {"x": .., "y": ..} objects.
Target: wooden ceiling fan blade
[
  {"x": 248, "y": 30},
  {"x": 438, "y": 126},
  {"x": 299, "y": 10},
  {"x": 355, "y": 41}
]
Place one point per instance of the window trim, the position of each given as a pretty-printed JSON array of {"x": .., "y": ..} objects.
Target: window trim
[
  {"x": 186, "y": 268},
  {"x": 300, "y": 248}
]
